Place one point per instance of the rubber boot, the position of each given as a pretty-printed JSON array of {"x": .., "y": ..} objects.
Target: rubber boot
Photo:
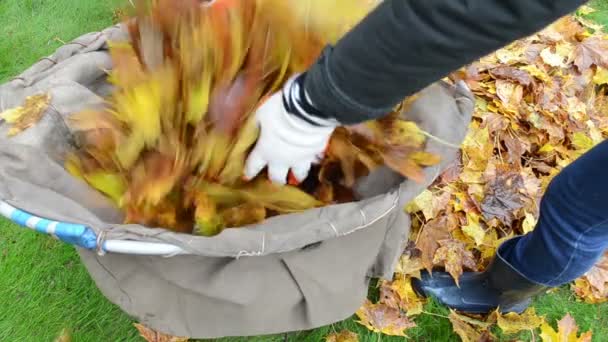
[{"x": 499, "y": 286}]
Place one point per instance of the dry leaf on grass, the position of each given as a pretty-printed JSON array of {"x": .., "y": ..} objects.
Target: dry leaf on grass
[
  {"x": 567, "y": 331},
  {"x": 511, "y": 323},
  {"x": 342, "y": 336},
  {"x": 384, "y": 319},
  {"x": 154, "y": 336}
]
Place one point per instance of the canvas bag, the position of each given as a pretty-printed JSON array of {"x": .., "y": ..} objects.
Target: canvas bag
[{"x": 291, "y": 272}]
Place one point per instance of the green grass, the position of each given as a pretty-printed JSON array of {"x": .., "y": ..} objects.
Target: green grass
[{"x": 44, "y": 288}]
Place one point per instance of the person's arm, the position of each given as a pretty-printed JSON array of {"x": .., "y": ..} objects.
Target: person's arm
[
  {"x": 405, "y": 45},
  {"x": 398, "y": 49}
]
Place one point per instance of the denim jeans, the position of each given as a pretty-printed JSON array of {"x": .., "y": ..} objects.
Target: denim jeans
[{"x": 572, "y": 230}]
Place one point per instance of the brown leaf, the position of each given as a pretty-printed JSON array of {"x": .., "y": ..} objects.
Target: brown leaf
[
  {"x": 503, "y": 195},
  {"x": 24, "y": 117},
  {"x": 383, "y": 319},
  {"x": 591, "y": 51},
  {"x": 154, "y": 336},
  {"x": 342, "y": 336},
  {"x": 432, "y": 231},
  {"x": 512, "y": 74},
  {"x": 454, "y": 256},
  {"x": 598, "y": 275}
]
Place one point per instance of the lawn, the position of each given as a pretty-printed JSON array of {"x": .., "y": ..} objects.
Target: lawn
[{"x": 43, "y": 286}]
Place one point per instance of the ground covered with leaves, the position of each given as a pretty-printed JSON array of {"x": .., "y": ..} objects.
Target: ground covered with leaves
[{"x": 56, "y": 290}]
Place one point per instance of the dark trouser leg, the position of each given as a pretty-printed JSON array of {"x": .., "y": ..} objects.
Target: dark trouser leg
[{"x": 572, "y": 231}]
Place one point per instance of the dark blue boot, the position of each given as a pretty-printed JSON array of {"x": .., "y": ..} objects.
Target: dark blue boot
[{"x": 500, "y": 285}]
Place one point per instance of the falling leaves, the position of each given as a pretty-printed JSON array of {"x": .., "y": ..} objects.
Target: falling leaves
[
  {"x": 384, "y": 319},
  {"x": 27, "y": 115},
  {"x": 567, "y": 331},
  {"x": 170, "y": 147},
  {"x": 154, "y": 336}
]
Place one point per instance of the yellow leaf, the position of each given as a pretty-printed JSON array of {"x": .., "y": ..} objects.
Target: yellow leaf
[
  {"x": 581, "y": 141},
  {"x": 567, "y": 332},
  {"x": 207, "y": 220},
  {"x": 546, "y": 148},
  {"x": 284, "y": 199},
  {"x": 233, "y": 170},
  {"x": 512, "y": 322},
  {"x": 405, "y": 132},
  {"x": 529, "y": 223},
  {"x": 410, "y": 302},
  {"x": 199, "y": 100},
  {"x": 113, "y": 185},
  {"x": 425, "y": 158},
  {"x": 585, "y": 10},
  {"x": 27, "y": 115},
  {"x": 601, "y": 76},
  {"x": 422, "y": 202},
  {"x": 473, "y": 229},
  {"x": 342, "y": 336}
]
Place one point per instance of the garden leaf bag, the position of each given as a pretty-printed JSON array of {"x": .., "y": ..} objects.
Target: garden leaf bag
[{"x": 291, "y": 272}]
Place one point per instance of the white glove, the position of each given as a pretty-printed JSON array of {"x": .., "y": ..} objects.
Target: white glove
[{"x": 290, "y": 139}]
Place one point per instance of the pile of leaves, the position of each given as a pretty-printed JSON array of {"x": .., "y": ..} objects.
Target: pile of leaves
[
  {"x": 170, "y": 147},
  {"x": 541, "y": 102}
]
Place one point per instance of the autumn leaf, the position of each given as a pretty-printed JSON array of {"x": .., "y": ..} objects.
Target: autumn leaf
[
  {"x": 24, "y": 117},
  {"x": 435, "y": 230},
  {"x": 567, "y": 330},
  {"x": 383, "y": 319},
  {"x": 342, "y": 336},
  {"x": 154, "y": 336},
  {"x": 591, "y": 51},
  {"x": 473, "y": 229},
  {"x": 64, "y": 336},
  {"x": 512, "y": 322},
  {"x": 454, "y": 256},
  {"x": 469, "y": 330},
  {"x": 503, "y": 196}
]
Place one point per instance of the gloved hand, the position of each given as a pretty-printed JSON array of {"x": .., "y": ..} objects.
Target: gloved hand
[{"x": 292, "y": 136}]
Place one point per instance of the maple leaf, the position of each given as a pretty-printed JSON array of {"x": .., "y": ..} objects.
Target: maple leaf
[
  {"x": 512, "y": 74},
  {"x": 469, "y": 329},
  {"x": 154, "y": 336},
  {"x": 432, "y": 231},
  {"x": 454, "y": 255},
  {"x": 27, "y": 115},
  {"x": 342, "y": 336},
  {"x": 512, "y": 322},
  {"x": 383, "y": 319},
  {"x": 567, "y": 330},
  {"x": 503, "y": 195},
  {"x": 400, "y": 294},
  {"x": 591, "y": 51}
]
